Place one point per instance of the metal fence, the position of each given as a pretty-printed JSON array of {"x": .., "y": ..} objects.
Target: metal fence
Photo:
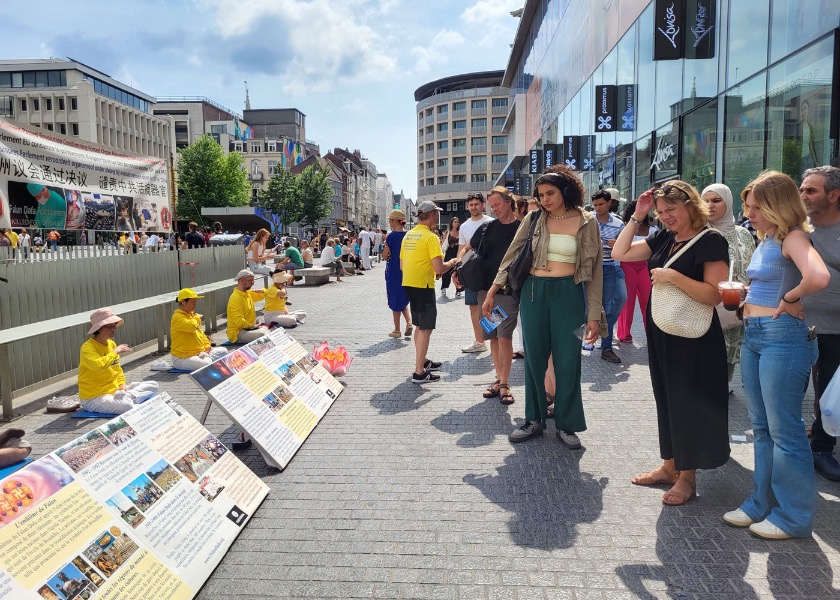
[{"x": 36, "y": 290}]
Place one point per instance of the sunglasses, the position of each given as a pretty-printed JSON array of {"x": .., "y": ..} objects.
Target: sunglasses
[
  {"x": 669, "y": 189},
  {"x": 475, "y": 197}
]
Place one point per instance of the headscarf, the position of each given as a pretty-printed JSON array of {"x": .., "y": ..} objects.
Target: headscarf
[{"x": 726, "y": 224}]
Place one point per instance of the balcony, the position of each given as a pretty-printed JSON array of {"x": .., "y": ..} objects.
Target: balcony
[
  {"x": 500, "y": 110},
  {"x": 441, "y": 152},
  {"x": 479, "y": 112},
  {"x": 481, "y": 149},
  {"x": 428, "y": 137},
  {"x": 478, "y": 130},
  {"x": 499, "y": 128},
  {"x": 459, "y": 168},
  {"x": 458, "y": 113},
  {"x": 442, "y": 170},
  {"x": 256, "y": 176},
  {"x": 442, "y": 116},
  {"x": 443, "y": 135},
  {"x": 499, "y": 148},
  {"x": 429, "y": 120},
  {"x": 459, "y": 150}
]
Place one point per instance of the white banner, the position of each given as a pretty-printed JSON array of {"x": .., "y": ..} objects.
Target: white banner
[{"x": 46, "y": 183}]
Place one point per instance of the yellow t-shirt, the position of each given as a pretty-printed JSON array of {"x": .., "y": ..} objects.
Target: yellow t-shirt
[
  {"x": 241, "y": 313},
  {"x": 186, "y": 335},
  {"x": 100, "y": 372},
  {"x": 13, "y": 237},
  {"x": 419, "y": 247},
  {"x": 273, "y": 300}
]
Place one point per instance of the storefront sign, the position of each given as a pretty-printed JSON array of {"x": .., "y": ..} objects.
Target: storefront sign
[
  {"x": 517, "y": 186},
  {"x": 700, "y": 22},
  {"x": 550, "y": 155},
  {"x": 626, "y": 107},
  {"x": 535, "y": 161},
  {"x": 669, "y": 36},
  {"x": 605, "y": 117},
  {"x": 570, "y": 151},
  {"x": 665, "y": 152},
  {"x": 586, "y": 152},
  {"x": 526, "y": 187}
]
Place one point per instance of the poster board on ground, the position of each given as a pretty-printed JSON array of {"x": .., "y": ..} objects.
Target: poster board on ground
[
  {"x": 274, "y": 391},
  {"x": 144, "y": 506}
]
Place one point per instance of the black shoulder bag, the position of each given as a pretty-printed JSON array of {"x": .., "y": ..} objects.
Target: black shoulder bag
[
  {"x": 470, "y": 271},
  {"x": 520, "y": 268}
]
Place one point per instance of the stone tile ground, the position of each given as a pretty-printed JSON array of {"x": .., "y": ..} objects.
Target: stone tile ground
[{"x": 406, "y": 491}]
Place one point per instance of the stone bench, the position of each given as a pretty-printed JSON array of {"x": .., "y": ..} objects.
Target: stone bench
[
  {"x": 315, "y": 275},
  {"x": 349, "y": 268}
]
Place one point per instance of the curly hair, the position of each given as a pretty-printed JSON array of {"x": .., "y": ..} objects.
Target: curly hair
[
  {"x": 778, "y": 199},
  {"x": 565, "y": 180}
]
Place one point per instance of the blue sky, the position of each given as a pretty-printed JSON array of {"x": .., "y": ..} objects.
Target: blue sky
[{"x": 350, "y": 65}]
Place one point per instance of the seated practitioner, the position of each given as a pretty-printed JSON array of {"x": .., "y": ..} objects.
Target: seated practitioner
[
  {"x": 191, "y": 349},
  {"x": 102, "y": 386},
  {"x": 242, "y": 325},
  {"x": 13, "y": 448},
  {"x": 276, "y": 299}
]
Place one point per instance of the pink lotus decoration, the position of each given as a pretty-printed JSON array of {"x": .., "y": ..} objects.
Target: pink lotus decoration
[{"x": 335, "y": 361}]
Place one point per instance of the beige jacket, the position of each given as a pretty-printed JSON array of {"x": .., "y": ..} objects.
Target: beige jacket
[{"x": 588, "y": 264}]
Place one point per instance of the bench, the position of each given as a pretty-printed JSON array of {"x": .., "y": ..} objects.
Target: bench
[
  {"x": 315, "y": 275},
  {"x": 349, "y": 268},
  {"x": 163, "y": 304}
]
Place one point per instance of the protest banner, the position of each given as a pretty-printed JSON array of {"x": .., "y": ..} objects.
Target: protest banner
[
  {"x": 274, "y": 391},
  {"x": 50, "y": 183},
  {"x": 142, "y": 507}
]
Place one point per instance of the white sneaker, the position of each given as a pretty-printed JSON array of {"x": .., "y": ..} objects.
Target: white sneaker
[
  {"x": 737, "y": 518},
  {"x": 62, "y": 404},
  {"x": 475, "y": 347},
  {"x": 768, "y": 531}
]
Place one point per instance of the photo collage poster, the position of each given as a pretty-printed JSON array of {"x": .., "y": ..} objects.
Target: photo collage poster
[
  {"x": 274, "y": 391},
  {"x": 144, "y": 506}
]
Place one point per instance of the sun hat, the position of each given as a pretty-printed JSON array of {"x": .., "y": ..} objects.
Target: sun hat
[
  {"x": 187, "y": 294},
  {"x": 282, "y": 277},
  {"x": 102, "y": 317},
  {"x": 396, "y": 214},
  {"x": 243, "y": 273}
]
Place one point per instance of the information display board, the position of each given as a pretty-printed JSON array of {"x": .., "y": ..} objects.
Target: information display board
[
  {"x": 142, "y": 507},
  {"x": 274, "y": 391}
]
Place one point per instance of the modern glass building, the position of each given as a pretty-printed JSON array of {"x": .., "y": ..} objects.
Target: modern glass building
[{"x": 636, "y": 91}]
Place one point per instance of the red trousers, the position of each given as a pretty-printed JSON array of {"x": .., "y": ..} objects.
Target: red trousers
[{"x": 637, "y": 279}]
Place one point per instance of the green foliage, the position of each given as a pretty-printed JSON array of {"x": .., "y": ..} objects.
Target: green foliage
[
  {"x": 283, "y": 197},
  {"x": 315, "y": 193},
  {"x": 208, "y": 178}
]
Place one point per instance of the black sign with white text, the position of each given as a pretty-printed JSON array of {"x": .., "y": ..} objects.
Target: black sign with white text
[
  {"x": 517, "y": 186},
  {"x": 626, "y": 107},
  {"x": 526, "y": 187},
  {"x": 605, "y": 119},
  {"x": 665, "y": 152},
  {"x": 535, "y": 161},
  {"x": 669, "y": 29},
  {"x": 586, "y": 152},
  {"x": 550, "y": 155},
  {"x": 570, "y": 151},
  {"x": 700, "y": 25}
]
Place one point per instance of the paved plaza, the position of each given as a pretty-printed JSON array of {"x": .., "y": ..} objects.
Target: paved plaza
[{"x": 407, "y": 491}]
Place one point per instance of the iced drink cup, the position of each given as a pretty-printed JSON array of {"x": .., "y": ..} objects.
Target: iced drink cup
[{"x": 730, "y": 293}]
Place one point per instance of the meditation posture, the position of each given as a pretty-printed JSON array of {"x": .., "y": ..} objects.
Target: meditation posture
[
  {"x": 275, "y": 302},
  {"x": 191, "y": 349},
  {"x": 242, "y": 325}
]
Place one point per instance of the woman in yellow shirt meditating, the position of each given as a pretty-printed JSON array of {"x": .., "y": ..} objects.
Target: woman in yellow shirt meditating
[
  {"x": 102, "y": 386},
  {"x": 275, "y": 310},
  {"x": 191, "y": 349}
]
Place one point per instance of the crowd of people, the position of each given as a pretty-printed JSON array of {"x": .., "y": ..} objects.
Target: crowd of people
[{"x": 674, "y": 252}]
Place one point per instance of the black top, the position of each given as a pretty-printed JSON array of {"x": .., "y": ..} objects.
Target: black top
[
  {"x": 195, "y": 240},
  {"x": 711, "y": 247},
  {"x": 496, "y": 242}
]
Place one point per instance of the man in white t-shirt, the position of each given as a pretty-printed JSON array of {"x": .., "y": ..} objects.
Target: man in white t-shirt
[
  {"x": 25, "y": 242},
  {"x": 475, "y": 204},
  {"x": 377, "y": 242},
  {"x": 365, "y": 239}
]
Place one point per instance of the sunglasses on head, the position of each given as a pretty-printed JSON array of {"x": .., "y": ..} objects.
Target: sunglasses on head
[
  {"x": 668, "y": 189},
  {"x": 475, "y": 197}
]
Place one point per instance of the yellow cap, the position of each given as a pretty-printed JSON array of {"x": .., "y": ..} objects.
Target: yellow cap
[{"x": 186, "y": 294}]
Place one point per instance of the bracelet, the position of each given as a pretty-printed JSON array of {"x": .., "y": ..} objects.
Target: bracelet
[
  {"x": 790, "y": 301},
  {"x": 635, "y": 220}
]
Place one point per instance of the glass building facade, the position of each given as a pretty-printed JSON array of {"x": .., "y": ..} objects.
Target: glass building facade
[{"x": 705, "y": 90}]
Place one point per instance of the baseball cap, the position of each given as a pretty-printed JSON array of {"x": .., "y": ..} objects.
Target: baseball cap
[
  {"x": 243, "y": 273},
  {"x": 427, "y": 206},
  {"x": 187, "y": 294}
]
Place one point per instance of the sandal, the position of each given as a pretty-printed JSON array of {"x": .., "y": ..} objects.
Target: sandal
[
  {"x": 549, "y": 411},
  {"x": 655, "y": 477},
  {"x": 507, "y": 397},
  {"x": 673, "y": 497},
  {"x": 408, "y": 330},
  {"x": 395, "y": 334},
  {"x": 492, "y": 391},
  {"x": 518, "y": 354}
]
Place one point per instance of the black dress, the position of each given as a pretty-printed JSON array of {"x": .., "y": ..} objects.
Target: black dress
[{"x": 689, "y": 375}]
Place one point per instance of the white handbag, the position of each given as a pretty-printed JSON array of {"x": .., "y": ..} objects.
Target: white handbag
[{"x": 674, "y": 311}]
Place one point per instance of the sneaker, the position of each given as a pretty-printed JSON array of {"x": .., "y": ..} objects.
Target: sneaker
[
  {"x": 424, "y": 377},
  {"x": 458, "y": 295},
  {"x": 610, "y": 356},
  {"x": 431, "y": 365},
  {"x": 62, "y": 404},
  {"x": 768, "y": 531},
  {"x": 528, "y": 430},
  {"x": 475, "y": 347},
  {"x": 443, "y": 293},
  {"x": 568, "y": 439},
  {"x": 737, "y": 518},
  {"x": 826, "y": 465}
]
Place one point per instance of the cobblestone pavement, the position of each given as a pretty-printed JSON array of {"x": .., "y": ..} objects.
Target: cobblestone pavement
[{"x": 407, "y": 491}]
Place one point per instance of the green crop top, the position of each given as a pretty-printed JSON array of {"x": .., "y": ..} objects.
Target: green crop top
[{"x": 561, "y": 248}]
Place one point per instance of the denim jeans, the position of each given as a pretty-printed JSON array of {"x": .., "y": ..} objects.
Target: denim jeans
[
  {"x": 613, "y": 298},
  {"x": 776, "y": 361}
]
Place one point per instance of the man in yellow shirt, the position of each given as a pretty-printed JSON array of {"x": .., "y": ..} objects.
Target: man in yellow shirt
[
  {"x": 190, "y": 349},
  {"x": 242, "y": 325},
  {"x": 102, "y": 385},
  {"x": 421, "y": 258}
]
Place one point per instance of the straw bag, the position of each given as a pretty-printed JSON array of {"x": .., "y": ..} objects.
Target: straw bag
[{"x": 674, "y": 311}]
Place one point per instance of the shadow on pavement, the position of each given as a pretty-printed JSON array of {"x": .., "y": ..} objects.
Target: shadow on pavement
[
  {"x": 542, "y": 485},
  {"x": 382, "y": 347},
  {"x": 403, "y": 398},
  {"x": 478, "y": 425}
]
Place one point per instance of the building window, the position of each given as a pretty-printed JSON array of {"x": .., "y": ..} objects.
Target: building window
[
  {"x": 7, "y": 106},
  {"x": 479, "y": 123},
  {"x": 74, "y": 104},
  {"x": 459, "y": 161},
  {"x": 256, "y": 148},
  {"x": 36, "y": 104},
  {"x": 218, "y": 129},
  {"x": 498, "y": 121},
  {"x": 443, "y": 109},
  {"x": 430, "y": 164},
  {"x": 499, "y": 102},
  {"x": 444, "y": 145},
  {"x": 272, "y": 167},
  {"x": 442, "y": 180},
  {"x": 255, "y": 167},
  {"x": 443, "y": 162},
  {"x": 459, "y": 143},
  {"x": 459, "y": 124},
  {"x": 459, "y": 106},
  {"x": 23, "y": 105},
  {"x": 430, "y": 147},
  {"x": 74, "y": 128},
  {"x": 48, "y": 102},
  {"x": 443, "y": 127},
  {"x": 459, "y": 179},
  {"x": 430, "y": 129},
  {"x": 479, "y": 144},
  {"x": 499, "y": 140},
  {"x": 430, "y": 181},
  {"x": 50, "y": 126},
  {"x": 272, "y": 147},
  {"x": 478, "y": 177},
  {"x": 61, "y": 104},
  {"x": 478, "y": 162},
  {"x": 478, "y": 104},
  {"x": 62, "y": 129}
]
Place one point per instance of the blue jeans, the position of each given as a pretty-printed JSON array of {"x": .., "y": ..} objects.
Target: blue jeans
[
  {"x": 613, "y": 298},
  {"x": 776, "y": 361}
]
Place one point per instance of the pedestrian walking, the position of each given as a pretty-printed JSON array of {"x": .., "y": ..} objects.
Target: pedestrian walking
[{"x": 397, "y": 295}]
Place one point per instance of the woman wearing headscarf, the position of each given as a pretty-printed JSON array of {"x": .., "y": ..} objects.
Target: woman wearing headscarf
[{"x": 718, "y": 197}]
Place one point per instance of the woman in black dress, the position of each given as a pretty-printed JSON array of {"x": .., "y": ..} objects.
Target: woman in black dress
[{"x": 688, "y": 374}]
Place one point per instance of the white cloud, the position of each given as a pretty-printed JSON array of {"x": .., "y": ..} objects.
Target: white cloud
[
  {"x": 437, "y": 52},
  {"x": 485, "y": 12}
]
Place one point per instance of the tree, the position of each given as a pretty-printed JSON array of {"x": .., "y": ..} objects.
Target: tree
[
  {"x": 315, "y": 195},
  {"x": 208, "y": 178},
  {"x": 283, "y": 197}
]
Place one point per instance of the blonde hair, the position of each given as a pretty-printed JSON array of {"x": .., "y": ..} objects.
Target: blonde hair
[
  {"x": 778, "y": 199},
  {"x": 679, "y": 192}
]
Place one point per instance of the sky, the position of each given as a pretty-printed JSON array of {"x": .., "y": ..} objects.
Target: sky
[{"x": 351, "y": 66}]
